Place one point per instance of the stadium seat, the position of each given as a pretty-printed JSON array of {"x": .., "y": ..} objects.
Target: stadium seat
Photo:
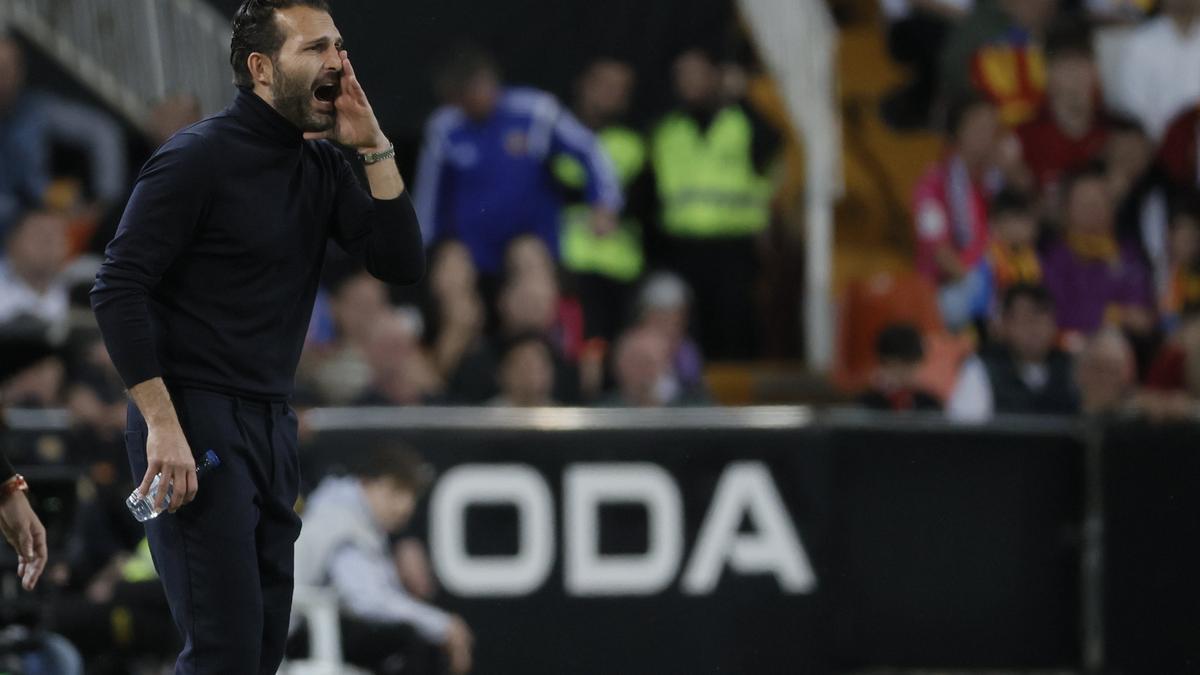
[
  {"x": 868, "y": 305},
  {"x": 318, "y": 607}
]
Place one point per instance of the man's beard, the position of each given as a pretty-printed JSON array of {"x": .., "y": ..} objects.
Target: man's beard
[{"x": 294, "y": 100}]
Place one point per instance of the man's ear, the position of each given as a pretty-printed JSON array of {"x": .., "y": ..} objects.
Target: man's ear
[{"x": 262, "y": 69}]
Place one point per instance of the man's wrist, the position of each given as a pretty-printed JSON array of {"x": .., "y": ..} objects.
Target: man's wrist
[
  {"x": 380, "y": 144},
  {"x": 369, "y": 158},
  {"x": 12, "y": 486},
  {"x": 161, "y": 420}
]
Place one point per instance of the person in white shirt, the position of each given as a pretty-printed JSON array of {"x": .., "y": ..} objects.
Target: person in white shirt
[
  {"x": 31, "y": 286},
  {"x": 1159, "y": 73},
  {"x": 345, "y": 546}
]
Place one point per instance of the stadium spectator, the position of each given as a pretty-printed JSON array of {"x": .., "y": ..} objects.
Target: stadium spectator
[
  {"x": 1105, "y": 374},
  {"x": 527, "y": 304},
  {"x": 996, "y": 51},
  {"x": 345, "y": 546},
  {"x": 526, "y": 373},
  {"x": 950, "y": 211},
  {"x": 170, "y": 115},
  {"x": 1182, "y": 287},
  {"x": 606, "y": 265},
  {"x": 34, "y": 303},
  {"x": 457, "y": 310},
  {"x": 1159, "y": 69},
  {"x": 97, "y": 409},
  {"x": 452, "y": 271},
  {"x": 1142, "y": 194},
  {"x": 1022, "y": 371},
  {"x": 1012, "y": 257},
  {"x": 31, "y": 289},
  {"x": 1175, "y": 371},
  {"x": 483, "y": 174},
  {"x": 642, "y": 369},
  {"x": 1093, "y": 278},
  {"x": 96, "y": 396},
  {"x": 917, "y": 31},
  {"x": 1070, "y": 129},
  {"x": 401, "y": 373},
  {"x": 894, "y": 384},
  {"x": 341, "y": 374},
  {"x": 664, "y": 306},
  {"x": 38, "y": 386},
  {"x": 709, "y": 161},
  {"x": 527, "y": 255},
  {"x": 32, "y": 124},
  {"x": 1178, "y": 152}
]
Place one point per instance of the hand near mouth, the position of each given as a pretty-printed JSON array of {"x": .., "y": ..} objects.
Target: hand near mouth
[{"x": 354, "y": 123}]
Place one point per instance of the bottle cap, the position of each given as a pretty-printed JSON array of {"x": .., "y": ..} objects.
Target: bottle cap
[{"x": 211, "y": 459}]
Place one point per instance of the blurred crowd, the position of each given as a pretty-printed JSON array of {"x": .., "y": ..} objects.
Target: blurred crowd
[
  {"x": 576, "y": 258},
  {"x": 1059, "y": 232}
]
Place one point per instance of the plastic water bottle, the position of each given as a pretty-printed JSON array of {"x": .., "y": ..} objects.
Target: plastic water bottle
[{"x": 144, "y": 507}]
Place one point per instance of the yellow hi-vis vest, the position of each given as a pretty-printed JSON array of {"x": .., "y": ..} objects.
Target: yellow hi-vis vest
[
  {"x": 707, "y": 183},
  {"x": 619, "y": 255}
]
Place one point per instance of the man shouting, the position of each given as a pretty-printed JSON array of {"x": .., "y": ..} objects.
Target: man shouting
[{"x": 204, "y": 298}]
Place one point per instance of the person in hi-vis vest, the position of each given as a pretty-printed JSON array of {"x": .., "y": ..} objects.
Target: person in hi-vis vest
[
  {"x": 709, "y": 159},
  {"x": 606, "y": 265}
]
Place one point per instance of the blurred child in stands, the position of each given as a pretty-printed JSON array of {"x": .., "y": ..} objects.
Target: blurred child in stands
[
  {"x": 895, "y": 386},
  {"x": 346, "y": 547},
  {"x": 664, "y": 306},
  {"x": 1182, "y": 285},
  {"x": 1012, "y": 256},
  {"x": 526, "y": 373},
  {"x": 950, "y": 210}
]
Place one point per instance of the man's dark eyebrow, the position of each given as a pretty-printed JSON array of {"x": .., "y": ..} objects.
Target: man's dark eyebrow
[{"x": 324, "y": 39}]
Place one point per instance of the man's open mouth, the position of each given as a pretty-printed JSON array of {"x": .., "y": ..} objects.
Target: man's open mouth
[{"x": 327, "y": 92}]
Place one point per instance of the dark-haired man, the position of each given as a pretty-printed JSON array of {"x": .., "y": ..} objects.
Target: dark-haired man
[
  {"x": 605, "y": 265},
  {"x": 483, "y": 175},
  {"x": 204, "y": 298},
  {"x": 346, "y": 547},
  {"x": 1070, "y": 129},
  {"x": 710, "y": 158},
  {"x": 1023, "y": 372}
]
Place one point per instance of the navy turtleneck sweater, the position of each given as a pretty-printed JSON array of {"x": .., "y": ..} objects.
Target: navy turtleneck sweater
[{"x": 211, "y": 277}]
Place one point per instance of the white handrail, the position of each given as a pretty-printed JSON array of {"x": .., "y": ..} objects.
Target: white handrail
[
  {"x": 132, "y": 54},
  {"x": 797, "y": 40}
]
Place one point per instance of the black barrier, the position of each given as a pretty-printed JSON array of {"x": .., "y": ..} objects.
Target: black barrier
[
  {"x": 796, "y": 547},
  {"x": 1152, "y": 548},
  {"x": 671, "y": 501},
  {"x": 788, "y": 542},
  {"x": 960, "y": 547}
]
